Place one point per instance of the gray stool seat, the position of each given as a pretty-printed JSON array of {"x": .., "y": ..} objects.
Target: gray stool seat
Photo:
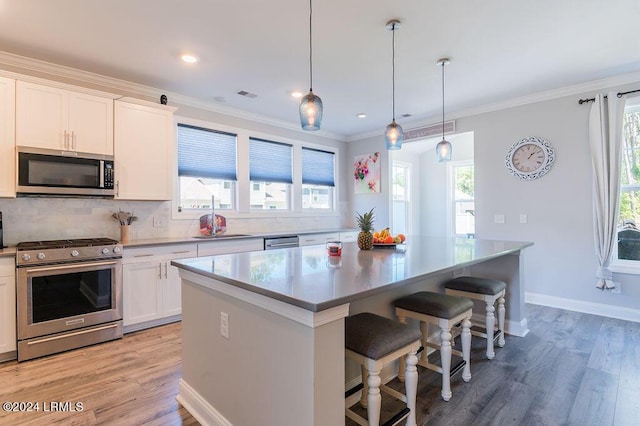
[
  {"x": 476, "y": 285},
  {"x": 373, "y": 342},
  {"x": 374, "y": 336},
  {"x": 443, "y": 311},
  {"x": 434, "y": 304},
  {"x": 488, "y": 291}
]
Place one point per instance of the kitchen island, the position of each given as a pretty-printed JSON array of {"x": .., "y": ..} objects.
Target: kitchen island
[{"x": 263, "y": 332}]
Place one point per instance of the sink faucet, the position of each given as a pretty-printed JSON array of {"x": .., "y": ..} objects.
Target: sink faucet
[{"x": 214, "y": 226}]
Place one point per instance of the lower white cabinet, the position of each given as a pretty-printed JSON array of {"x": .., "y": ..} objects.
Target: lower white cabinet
[
  {"x": 211, "y": 248},
  {"x": 151, "y": 286},
  {"x": 349, "y": 236},
  {"x": 7, "y": 308},
  {"x": 311, "y": 239}
]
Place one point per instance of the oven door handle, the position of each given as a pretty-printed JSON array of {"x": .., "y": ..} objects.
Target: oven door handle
[{"x": 73, "y": 266}]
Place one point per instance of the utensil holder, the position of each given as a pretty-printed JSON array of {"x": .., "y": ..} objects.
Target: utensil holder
[{"x": 124, "y": 233}]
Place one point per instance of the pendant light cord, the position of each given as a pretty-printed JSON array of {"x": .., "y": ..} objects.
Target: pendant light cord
[
  {"x": 393, "y": 71},
  {"x": 443, "y": 64},
  {"x": 310, "y": 48}
]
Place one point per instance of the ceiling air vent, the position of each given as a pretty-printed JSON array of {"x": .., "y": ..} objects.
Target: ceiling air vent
[
  {"x": 246, "y": 94},
  {"x": 430, "y": 131}
]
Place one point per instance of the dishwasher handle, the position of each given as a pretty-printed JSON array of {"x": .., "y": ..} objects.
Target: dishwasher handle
[{"x": 281, "y": 242}]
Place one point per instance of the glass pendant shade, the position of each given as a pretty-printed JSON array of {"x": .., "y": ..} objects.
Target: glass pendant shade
[
  {"x": 311, "y": 112},
  {"x": 393, "y": 135},
  {"x": 443, "y": 150}
]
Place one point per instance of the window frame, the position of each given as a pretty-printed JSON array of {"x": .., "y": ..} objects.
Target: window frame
[
  {"x": 625, "y": 266},
  {"x": 242, "y": 185}
]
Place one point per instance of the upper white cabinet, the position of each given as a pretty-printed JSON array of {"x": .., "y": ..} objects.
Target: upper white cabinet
[
  {"x": 55, "y": 118},
  {"x": 144, "y": 150},
  {"x": 7, "y": 138}
]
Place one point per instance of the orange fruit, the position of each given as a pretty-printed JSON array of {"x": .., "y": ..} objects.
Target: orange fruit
[
  {"x": 389, "y": 239},
  {"x": 402, "y": 237}
]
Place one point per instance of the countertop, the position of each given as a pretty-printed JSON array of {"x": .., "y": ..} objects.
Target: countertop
[
  {"x": 239, "y": 235},
  {"x": 308, "y": 278}
]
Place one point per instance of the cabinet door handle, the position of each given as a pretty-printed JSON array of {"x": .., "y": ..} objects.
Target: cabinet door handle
[
  {"x": 160, "y": 270},
  {"x": 166, "y": 269},
  {"x": 65, "y": 143},
  {"x": 180, "y": 252},
  {"x": 117, "y": 188},
  {"x": 143, "y": 255},
  {"x": 73, "y": 141}
]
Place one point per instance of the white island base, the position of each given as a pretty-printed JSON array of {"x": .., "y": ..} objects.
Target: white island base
[{"x": 284, "y": 368}]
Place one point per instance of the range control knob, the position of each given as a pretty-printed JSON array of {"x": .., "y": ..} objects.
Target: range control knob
[
  {"x": 26, "y": 257},
  {"x": 75, "y": 253},
  {"x": 105, "y": 251},
  {"x": 116, "y": 249},
  {"x": 41, "y": 256}
]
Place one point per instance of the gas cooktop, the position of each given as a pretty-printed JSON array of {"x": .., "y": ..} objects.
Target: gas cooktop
[{"x": 55, "y": 244}]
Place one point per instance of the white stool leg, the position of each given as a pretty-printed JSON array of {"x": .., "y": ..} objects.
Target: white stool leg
[
  {"x": 501, "y": 320},
  {"x": 411, "y": 386},
  {"x": 401, "y": 364},
  {"x": 490, "y": 324},
  {"x": 365, "y": 386},
  {"x": 445, "y": 358},
  {"x": 424, "y": 329},
  {"x": 374, "y": 400},
  {"x": 466, "y": 349}
]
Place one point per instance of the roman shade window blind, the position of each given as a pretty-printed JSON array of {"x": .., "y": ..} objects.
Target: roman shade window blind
[
  {"x": 270, "y": 161},
  {"x": 206, "y": 153},
  {"x": 318, "y": 167}
]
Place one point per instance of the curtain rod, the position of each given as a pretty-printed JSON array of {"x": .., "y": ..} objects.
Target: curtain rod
[{"x": 619, "y": 94}]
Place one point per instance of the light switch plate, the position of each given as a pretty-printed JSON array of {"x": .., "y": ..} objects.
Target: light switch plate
[{"x": 498, "y": 218}]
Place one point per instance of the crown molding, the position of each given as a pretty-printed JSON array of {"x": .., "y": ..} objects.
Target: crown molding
[
  {"x": 114, "y": 84},
  {"x": 581, "y": 89}
]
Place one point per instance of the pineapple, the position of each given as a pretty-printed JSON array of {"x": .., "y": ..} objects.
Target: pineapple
[{"x": 365, "y": 223}]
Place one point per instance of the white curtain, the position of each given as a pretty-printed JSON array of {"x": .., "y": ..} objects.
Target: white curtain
[{"x": 605, "y": 138}]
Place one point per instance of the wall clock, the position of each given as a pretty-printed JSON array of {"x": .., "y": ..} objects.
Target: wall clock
[{"x": 530, "y": 158}]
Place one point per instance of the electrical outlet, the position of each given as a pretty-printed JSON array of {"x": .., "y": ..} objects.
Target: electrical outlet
[
  {"x": 224, "y": 324},
  {"x": 617, "y": 289},
  {"x": 159, "y": 221},
  {"x": 498, "y": 218},
  {"x": 523, "y": 218}
]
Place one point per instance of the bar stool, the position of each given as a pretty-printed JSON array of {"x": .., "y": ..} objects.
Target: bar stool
[
  {"x": 444, "y": 311},
  {"x": 487, "y": 290},
  {"x": 373, "y": 341}
]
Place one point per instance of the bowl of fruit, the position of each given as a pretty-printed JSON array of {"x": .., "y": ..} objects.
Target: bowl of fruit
[{"x": 385, "y": 239}]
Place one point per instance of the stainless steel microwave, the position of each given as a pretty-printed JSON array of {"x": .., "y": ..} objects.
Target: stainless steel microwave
[{"x": 64, "y": 173}]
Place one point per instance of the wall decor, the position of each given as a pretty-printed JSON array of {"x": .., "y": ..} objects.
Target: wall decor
[
  {"x": 366, "y": 171},
  {"x": 530, "y": 158}
]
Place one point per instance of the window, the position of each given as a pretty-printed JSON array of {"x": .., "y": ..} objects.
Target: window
[
  {"x": 318, "y": 179},
  {"x": 400, "y": 198},
  {"x": 270, "y": 173},
  {"x": 628, "y": 246},
  {"x": 463, "y": 201},
  {"x": 206, "y": 168}
]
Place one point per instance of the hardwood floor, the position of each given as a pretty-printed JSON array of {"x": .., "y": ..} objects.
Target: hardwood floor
[{"x": 572, "y": 368}]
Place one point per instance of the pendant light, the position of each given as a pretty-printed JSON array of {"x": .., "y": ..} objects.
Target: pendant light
[
  {"x": 393, "y": 133},
  {"x": 310, "y": 105},
  {"x": 443, "y": 149}
]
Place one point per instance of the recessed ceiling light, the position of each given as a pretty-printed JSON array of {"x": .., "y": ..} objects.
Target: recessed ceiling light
[
  {"x": 361, "y": 115},
  {"x": 188, "y": 58},
  {"x": 296, "y": 94}
]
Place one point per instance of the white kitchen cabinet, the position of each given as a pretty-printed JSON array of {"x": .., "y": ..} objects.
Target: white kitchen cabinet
[
  {"x": 349, "y": 236},
  {"x": 144, "y": 150},
  {"x": 211, "y": 248},
  {"x": 311, "y": 239},
  {"x": 56, "y": 118},
  {"x": 151, "y": 286},
  {"x": 7, "y": 308},
  {"x": 7, "y": 138}
]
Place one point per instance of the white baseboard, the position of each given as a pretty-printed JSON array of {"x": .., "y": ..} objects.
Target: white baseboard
[
  {"x": 601, "y": 309},
  {"x": 199, "y": 408},
  {"x": 513, "y": 328}
]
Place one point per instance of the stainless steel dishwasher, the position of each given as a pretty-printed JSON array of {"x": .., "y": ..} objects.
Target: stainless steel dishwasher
[{"x": 285, "y": 241}]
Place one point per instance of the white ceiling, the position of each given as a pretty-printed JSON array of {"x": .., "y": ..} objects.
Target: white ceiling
[{"x": 499, "y": 49}]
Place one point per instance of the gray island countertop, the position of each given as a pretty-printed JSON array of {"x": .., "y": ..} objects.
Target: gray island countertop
[{"x": 308, "y": 278}]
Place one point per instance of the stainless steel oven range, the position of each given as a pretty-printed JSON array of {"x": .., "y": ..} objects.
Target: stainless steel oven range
[{"x": 69, "y": 294}]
